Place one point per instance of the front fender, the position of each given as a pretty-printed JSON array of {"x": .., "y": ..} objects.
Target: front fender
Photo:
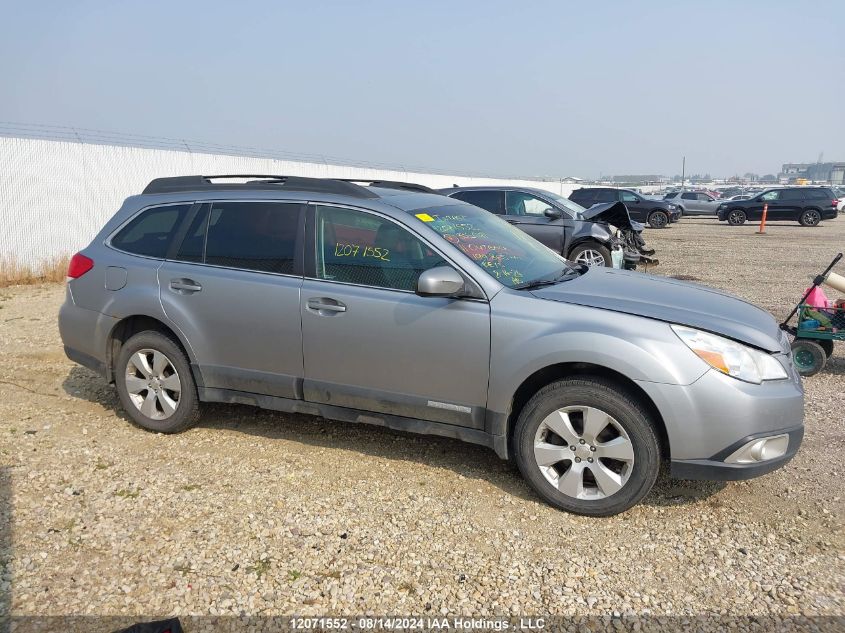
[{"x": 642, "y": 349}]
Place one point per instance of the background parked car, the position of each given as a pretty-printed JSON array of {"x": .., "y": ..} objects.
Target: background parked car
[
  {"x": 693, "y": 202},
  {"x": 806, "y": 205},
  {"x": 656, "y": 213},
  {"x": 557, "y": 223}
]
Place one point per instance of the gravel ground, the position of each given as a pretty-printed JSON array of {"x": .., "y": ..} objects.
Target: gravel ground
[{"x": 262, "y": 513}]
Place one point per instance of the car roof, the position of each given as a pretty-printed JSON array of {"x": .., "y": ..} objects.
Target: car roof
[{"x": 450, "y": 190}]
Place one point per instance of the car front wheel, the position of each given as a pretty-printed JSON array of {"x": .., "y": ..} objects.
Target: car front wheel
[
  {"x": 658, "y": 219},
  {"x": 592, "y": 254},
  {"x": 736, "y": 217},
  {"x": 587, "y": 446}
]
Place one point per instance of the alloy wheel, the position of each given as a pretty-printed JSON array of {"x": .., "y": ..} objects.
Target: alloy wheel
[
  {"x": 591, "y": 258},
  {"x": 584, "y": 452},
  {"x": 153, "y": 384}
]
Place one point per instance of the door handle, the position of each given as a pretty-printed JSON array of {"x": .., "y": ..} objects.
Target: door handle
[
  {"x": 326, "y": 305},
  {"x": 184, "y": 286}
]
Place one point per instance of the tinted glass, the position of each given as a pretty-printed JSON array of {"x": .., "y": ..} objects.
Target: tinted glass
[
  {"x": 669, "y": 196},
  {"x": 493, "y": 201},
  {"x": 605, "y": 195},
  {"x": 584, "y": 197},
  {"x": 703, "y": 197},
  {"x": 193, "y": 244},
  {"x": 498, "y": 248},
  {"x": 253, "y": 235},
  {"x": 521, "y": 203},
  {"x": 150, "y": 233},
  {"x": 819, "y": 194},
  {"x": 791, "y": 194},
  {"x": 359, "y": 248}
]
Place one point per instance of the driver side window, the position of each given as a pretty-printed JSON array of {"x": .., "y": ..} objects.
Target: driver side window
[
  {"x": 521, "y": 203},
  {"x": 627, "y": 196},
  {"x": 771, "y": 195},
  {"x": 359, "y": 248}
]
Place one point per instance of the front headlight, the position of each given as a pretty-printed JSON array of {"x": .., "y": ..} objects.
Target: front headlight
[{"x": 730, "y": 357}]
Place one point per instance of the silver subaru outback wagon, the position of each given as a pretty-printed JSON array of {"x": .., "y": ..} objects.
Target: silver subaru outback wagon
[{"x": 390, "y": 304}]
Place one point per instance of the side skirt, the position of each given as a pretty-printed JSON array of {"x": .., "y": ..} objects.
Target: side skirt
[{"x": 342, "y": 414}]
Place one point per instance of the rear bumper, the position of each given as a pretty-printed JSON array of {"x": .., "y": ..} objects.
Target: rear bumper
[
  {"x": 85, "y": 334},
  {"x": 715, "y": 468}
]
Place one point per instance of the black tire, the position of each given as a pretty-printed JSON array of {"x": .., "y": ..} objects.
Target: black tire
[
  {"x": 658, "y": 219},
  {"x": 681, "y": 210},
  {"x": 810, "y": 217},
  {"x": 626, "y": 411},
  {"x": 808, "y": 357},
  {"x": 737, "y": 217},
  {"x": 591, "y": 246},
  {"x": 827, "y": 346},
  {"x": 186, "y": 411}
]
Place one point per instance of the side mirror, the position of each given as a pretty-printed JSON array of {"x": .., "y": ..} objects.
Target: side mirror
[
  {"x": 553, "y": 214},
  {"x": 442, "y": 281}
]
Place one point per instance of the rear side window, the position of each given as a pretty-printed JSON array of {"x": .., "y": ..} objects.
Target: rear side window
[
  {"x": 689, "y": 195},
  {"x": 791, "y": 194},
  {"x": 584, "y": 197},
  {"x": 150, "y": 233},
  {"x": 259, "y": 236},
  {"x": 818, "y": 194},
  {"x": 492, "y": 201},
  {"x": 192, "y": 248},
  {"x": 605, "y": 195}
]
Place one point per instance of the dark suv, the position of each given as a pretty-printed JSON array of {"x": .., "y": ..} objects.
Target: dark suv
[
  {"x": 806, "y": 205},
  {"x": 656, "y": 213},
  {"x": 562, "y": 225}
]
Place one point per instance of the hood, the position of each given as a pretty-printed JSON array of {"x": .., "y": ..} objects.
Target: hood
[
  {"x": 615, "y": 213},
  {"x": 671, "y": 301}
]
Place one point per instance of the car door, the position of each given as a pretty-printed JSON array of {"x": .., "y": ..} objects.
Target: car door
[
  {"x": 770, "y": 198},
  {"x": 231, "y": 284},
  {"x": 707, "y": 205},
  {"x": 636, "y": 207},
  {"x": 789, "y": 206},
  {"x": 370, "y": 342},
  {"x": 527, "y": 212},
  {"x": 689, "y": 200}
]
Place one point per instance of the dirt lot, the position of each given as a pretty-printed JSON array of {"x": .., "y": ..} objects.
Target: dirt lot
[{"x": 257, "y": 512}]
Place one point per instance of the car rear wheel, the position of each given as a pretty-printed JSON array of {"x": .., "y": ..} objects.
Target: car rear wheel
[
  {"x": 808, "y": 357},
  {"x": 736, "y": 217},
  {"x": 587, "y": 446},
  {"x": 592, "y": 254},
  {"x": 155, "y": 385},
  {"x": 658, "y": 219},
  {"x": 810, "y": 217}
]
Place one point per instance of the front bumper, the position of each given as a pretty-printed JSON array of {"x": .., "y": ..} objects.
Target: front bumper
[
  {"x": 708, "y": 420},
  {"x": 716, "y": 469}
]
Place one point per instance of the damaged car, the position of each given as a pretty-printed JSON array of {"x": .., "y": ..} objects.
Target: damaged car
[{"x": 584, "y": 236}]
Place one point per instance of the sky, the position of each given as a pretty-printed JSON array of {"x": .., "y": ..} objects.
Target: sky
[{"x": 484, "y": 87}]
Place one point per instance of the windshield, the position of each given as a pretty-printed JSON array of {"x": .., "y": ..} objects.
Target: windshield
[
  {"x": 502, "y": 251},
  {"x": 566, "y": 203}
]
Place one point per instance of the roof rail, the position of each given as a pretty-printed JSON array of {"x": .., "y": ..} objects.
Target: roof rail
[
  {"x": 257, "y": 181},
  {"x": 393, "y": 184}
]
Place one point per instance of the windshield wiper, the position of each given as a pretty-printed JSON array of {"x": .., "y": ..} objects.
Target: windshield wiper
[{"x": 539, "y": 283}]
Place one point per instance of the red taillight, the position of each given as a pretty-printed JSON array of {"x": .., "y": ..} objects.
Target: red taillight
[
  {"x": 79, "y": 265},
  {"x": 834, "y": 202}
]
